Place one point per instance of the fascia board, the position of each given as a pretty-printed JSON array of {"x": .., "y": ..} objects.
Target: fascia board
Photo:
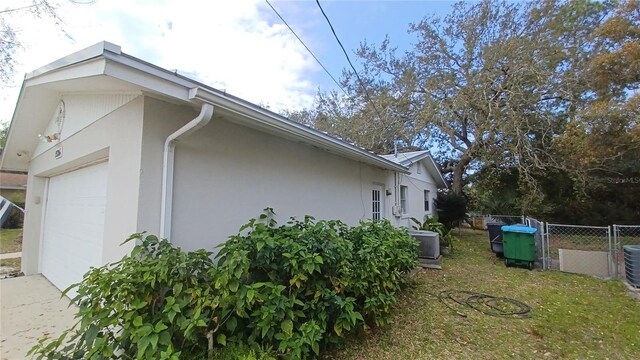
[
  {"x": 436, "y": 171},
  {"x": 90, "y": 67},
  {"x": 77, "y": 57}
]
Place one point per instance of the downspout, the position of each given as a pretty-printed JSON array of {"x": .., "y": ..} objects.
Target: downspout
[{"x": 205, "y": 116}]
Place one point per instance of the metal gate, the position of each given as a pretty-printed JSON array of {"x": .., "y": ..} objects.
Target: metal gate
[{"x": 581, "y": 249}]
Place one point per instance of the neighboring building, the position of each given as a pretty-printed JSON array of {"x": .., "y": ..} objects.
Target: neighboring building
[
  {"x": 115, "y": 145},
  {"x": 13, "y": 186},
  {"x": 418, "y": 189}
]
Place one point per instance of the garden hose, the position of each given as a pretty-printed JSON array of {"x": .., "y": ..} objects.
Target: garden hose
[{"x": 486, "y": 304}]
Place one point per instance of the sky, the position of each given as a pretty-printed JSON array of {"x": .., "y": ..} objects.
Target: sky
[{"x": 240, "y": 46}]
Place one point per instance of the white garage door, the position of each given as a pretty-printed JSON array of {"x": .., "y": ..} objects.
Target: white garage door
[{"x": 74, "y": 224}]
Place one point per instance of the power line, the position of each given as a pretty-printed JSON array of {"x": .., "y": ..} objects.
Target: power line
[
  {"x": 366, "y": 93},
  {"x": 306, "y": 47}
]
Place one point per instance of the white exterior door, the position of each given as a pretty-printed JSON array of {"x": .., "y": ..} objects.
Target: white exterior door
[
  {"x": 377, "y": 202},
  {"x": 74, "y": 224}
]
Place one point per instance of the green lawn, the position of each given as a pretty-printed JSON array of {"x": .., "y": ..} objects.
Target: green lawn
[
  {"x": 10, "y": 240},
  {"x": 572, "y": 316}
]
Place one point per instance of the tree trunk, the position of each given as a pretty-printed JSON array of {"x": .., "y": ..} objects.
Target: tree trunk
[{"x": 458, "y": 172}]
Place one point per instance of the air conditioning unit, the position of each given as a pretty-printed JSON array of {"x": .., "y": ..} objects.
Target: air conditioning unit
[
  {"x": 429, "y": 243},
  {"x": 632, "y": 264}
]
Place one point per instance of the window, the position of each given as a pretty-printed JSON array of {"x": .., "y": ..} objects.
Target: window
[
  {"x": 376, "y": 204},
  {"x": 426, "y": 200},
  {"x": 404, "y": 196},
  {"x": 418, "y": 168}
]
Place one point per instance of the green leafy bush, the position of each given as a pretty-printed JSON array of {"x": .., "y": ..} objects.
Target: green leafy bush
[
  {"x": 156, "y": 303},
  {"x": 238, "y": 351},
  {"x": 281, "y": 290},
  {"x": 297, "y": 286},
  {"x": 452, "y": 209}
]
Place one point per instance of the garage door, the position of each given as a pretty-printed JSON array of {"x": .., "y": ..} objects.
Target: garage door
[{"x": 74, "y": 224}]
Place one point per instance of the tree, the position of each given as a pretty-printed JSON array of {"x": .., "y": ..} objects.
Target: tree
[
  {"x": 490, "y": 83},
  {"x": 4, "y": 132},
  {"x": 9, "y": 40}
]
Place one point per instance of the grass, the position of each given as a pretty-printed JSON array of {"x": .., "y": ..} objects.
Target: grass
[
  {"x": 572, "y": 316},
  {"x": 10, "y": 240},
  {"x": 14, "y": 263}
]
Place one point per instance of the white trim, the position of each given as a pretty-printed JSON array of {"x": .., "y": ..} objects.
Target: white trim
[
  {"x": 76, "y": 57},
  {"x": 45, "y": 199}
]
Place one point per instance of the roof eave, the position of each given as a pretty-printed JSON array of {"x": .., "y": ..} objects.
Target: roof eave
[
  {"x": 199, "y": 93},
  {"x": 288, "y": 126}
]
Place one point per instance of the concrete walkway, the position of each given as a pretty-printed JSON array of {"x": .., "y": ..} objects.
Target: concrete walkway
[
  {"x": 10, "y": 255},
  {"x": 30, "y": 308}
]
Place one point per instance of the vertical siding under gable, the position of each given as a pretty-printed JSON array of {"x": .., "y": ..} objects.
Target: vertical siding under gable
[{"x": 80, "y": 111}]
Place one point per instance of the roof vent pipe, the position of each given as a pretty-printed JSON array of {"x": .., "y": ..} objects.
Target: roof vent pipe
[{"x": 205, "y": 116}]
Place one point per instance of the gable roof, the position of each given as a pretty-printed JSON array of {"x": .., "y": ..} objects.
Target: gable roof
[
  {"x": 105, "y": 68},
  {"x": 407, "y": 159}
]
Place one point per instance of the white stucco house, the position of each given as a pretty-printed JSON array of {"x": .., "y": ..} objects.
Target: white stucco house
[
  {"x": 416, "y": 190},
  {"x": 114, "y": 145}
]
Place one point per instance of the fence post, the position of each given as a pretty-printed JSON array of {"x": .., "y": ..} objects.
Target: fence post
[
  {"x": 546, "y": 247},
  {"x": 612, "y": 256},
  {"x": 616, "y": 245},
  {"x": 543, "y": 240}
]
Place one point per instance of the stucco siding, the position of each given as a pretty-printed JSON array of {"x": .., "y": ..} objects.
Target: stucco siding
[
  {"x": 416, "y": 183},
  {"x": 226, "y": 173},
  {"x": 116, "y": 138},
  {"x": 160, "y": 120}
]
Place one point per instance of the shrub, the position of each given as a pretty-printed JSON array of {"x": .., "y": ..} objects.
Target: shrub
[
  {"x": 156, "y": 303},
  {"x": 283, "y": 290},
  {"x": 452, "y": 208},
  {"x": 297, "y": 286},
  {"x": 15, "y": 219},
  {"x": 382, "y": 254},
  {"x": 241, "y": 352}
]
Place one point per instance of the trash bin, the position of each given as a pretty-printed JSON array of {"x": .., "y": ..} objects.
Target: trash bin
[
  {"x": 519, "y": 245},
  {"x": 495, "y": 237}
]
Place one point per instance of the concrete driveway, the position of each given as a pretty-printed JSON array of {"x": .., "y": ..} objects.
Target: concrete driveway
[{"x": 31, "y": 307}]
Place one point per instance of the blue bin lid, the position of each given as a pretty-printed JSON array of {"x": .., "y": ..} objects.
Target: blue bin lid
[{"x": 519, "y": 229}]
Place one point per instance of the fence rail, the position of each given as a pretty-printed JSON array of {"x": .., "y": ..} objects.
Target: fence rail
[{"x": 582, "y": 249}]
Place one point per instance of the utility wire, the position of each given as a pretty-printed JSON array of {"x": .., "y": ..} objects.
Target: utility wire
[
  {"x": 306, "y": 47},
  {"x": 366, "y": 93}
]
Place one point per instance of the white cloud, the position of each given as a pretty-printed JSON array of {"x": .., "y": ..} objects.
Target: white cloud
[{"x": 226, "y": 44}]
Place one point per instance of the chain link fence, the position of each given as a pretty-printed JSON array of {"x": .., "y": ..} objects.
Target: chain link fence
[
  {"x": 540, "y": 240},
  {"x": 580, "y": 249},
  {"x": 623, "y": 235}
]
